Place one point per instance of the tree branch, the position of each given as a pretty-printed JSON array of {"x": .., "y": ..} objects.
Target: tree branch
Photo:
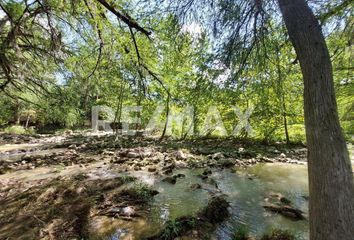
[{"x": 124, "y": 17}]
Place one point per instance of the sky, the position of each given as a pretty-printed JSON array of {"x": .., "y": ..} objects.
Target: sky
[
  {"x": 192, "y": 28},
  {"x": 2, "y": 14}
]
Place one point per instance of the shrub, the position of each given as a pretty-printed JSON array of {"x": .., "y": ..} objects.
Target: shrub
[
  {"x": 15, "y": 129},
  {"x": 278, "y": 234}
]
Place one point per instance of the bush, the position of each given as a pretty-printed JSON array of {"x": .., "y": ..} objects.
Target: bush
[
  {"x": 15, "y": 129},
  {"x": 278, "y": 234}
]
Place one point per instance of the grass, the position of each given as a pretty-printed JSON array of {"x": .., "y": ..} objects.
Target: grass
[
  {"x": 241, "y": 233},
  {"x": 104, "y": 185},
  {"x": 138, "y": 192},
  {"x": 177, "y": 227},
  {"x": 279, "y": 234}
]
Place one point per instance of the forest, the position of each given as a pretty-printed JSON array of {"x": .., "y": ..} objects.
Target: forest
[{"x": 177, "y": 119}]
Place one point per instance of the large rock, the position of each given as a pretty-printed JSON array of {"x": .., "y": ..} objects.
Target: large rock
[
  {"x": 180, "y": 155},
  {"x": 152, "y": 169},
  {"x": 171, "y": 180},
  {"x": 217, "y": 210}
]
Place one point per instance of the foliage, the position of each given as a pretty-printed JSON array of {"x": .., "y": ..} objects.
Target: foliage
[
  {"x": 278, "y": 234},
  {"x": 16, "y": 129},
  {"x": 70, "y": 57},
  {"x": 177, "y": 227}
]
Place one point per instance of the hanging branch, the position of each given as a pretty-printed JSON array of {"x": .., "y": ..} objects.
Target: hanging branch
[
  {"x": 333, "y": 11},
  {"x": 99, "y": 33},
  {"x": 167, "y": 100},
  {"x": 124, "y": 17}
]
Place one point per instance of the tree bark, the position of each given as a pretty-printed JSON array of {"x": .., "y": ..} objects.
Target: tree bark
[{"x": 330, "y": 176}]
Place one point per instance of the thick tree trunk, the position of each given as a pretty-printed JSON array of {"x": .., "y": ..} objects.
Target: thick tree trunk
[{"x": 330, "y": 175}]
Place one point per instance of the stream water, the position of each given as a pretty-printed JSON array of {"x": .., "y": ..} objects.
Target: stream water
[
  {"x": 246, "y": 195},
  {"x": 246, "y": 190}
]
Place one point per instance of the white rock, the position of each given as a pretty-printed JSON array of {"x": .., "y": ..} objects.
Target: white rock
[
  {"x": 180, "y": 155},
  {"x": 218, "y": 156}
]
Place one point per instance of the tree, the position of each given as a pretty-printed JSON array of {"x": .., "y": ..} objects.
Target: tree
[{"x": 330, "y": 174}]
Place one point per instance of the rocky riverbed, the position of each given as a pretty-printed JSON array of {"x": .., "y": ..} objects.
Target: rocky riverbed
[{"x": 80, "y": 185}]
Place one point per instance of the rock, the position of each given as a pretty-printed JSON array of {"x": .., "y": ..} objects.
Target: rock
[
  {"x": 152, "y": 169},
  {"x": 128, "y": 211},
  {"x": 217, "y": 210},
  {"x": 227, "y": 163},
  {"x": 133, "y": 155},
  {"x": 212, "y": 163},
  {"x": 119, "y": 160},
  {"x": 167, "y": 172},
  {"x": 180, "y": 155},
  {"x": 171, "y": 180},
  {"x": 169, "y": 167},
  {"x": 68, "y": 132},
  {"x": 179, "y": 175},
  {"x": 207, "y": 172},
  {"x": 139, "y": 164},
  {"x": 108, "y": 153},
  {"x": 146, "y": 153},
  {"x": 26, "y": 157},
  {"x": 72, "y": 146},
  {"x": 180, "y": 164},
  {"x": 202, "y": 176},
  {"x": 217, "y": 156},
  {"x": 284, "y": 200},
  {"x": 195, "y": 186},
  {"x": 267, "y": 160},
  {"x": 158, "y": 157},
  {"x": 251, "y": 161},
  {"x": 282, "y": 155},
  {"x": 212, "y": 182}
]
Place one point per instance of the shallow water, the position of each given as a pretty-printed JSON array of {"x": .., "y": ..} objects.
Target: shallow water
[{"x": 246, "y": 198}]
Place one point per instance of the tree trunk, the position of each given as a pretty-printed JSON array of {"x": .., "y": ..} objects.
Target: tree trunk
[
  {"x": 330, "y": 176},
  {"x": 27, "y": 121},
  {"x": 285, "y": 120},
  {"x": 282, "y": 97}
]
